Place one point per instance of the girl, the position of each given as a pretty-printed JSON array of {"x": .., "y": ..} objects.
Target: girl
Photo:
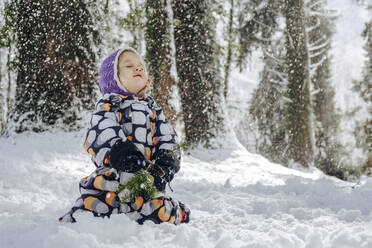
[{"x": 129, "y": 132}]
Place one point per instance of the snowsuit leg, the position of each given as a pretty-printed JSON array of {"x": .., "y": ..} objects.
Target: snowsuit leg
[{"x": 98, "y": 195}]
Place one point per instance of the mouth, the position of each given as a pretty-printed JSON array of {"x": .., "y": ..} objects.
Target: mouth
[{"x": 138, "y": 75}]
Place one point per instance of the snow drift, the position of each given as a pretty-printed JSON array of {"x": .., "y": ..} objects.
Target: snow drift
[{"x": 237, "y": 199}]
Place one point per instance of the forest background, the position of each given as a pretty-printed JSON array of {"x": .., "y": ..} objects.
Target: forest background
[{"x": 264, "y": 71}]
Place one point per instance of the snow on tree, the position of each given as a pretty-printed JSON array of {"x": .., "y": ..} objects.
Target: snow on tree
[
  {"x": 326, "y": 124},
  {"x": 267, "y": 106},
  {"x": 7, "y": 43},
  {"x": 158, "y": 53},
  {"x": 2, "y": 102},
  {"x": 200, "y": 82},
  {"x": 230, "y": 41},
  {"x": 135, "y": 23},
  {"x": 257, "y": 21},
  {"x": 290, "y": 124},
  {"x": 299, "y": 120},
  {"x": 56, "y": 70},
  {"x": 364, "y": 88},
  {"x": 259, "y": 28}
]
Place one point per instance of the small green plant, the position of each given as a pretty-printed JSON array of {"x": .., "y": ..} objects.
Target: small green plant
[{"x": 141, "y": 184}]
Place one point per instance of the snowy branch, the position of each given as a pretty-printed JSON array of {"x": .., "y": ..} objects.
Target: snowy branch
[
  {"x": 315, "y": 92},
  {"x": 314, "y": 48},
  {"x": 279, "y": 61},
  {"x": 262, "y": 39},
  {"x": 283, "y": 30},
  {"x": 318, "y": 42},
  {"x": 324, "y": 14},
  {"x": 276, "y": 81},
  {"x": 309, "y": 29},
  {"x": 314, "y": 67},
  {"x": 318, "y": 53},
  {"x": 314, "y": 4},
  {"x": 261, "y": 23},
  {"x": 286, "y": 99},
  {"x": 279, "y": 74},
  {"x": 318, "y": 63}
]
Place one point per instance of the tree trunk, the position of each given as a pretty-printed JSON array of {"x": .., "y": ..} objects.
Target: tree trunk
[
  {"x": 299, "y": 109},
  {"x": 55, "y": 79},
  {"x": 2, "y": 96},
  {"x": 159, "y": 54},
  {"x": 200, "y": 84},
  {"x": 229, "y": 49}
]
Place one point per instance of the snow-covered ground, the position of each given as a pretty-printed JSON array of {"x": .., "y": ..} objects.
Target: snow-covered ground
[{"x": 237, "y": 199}]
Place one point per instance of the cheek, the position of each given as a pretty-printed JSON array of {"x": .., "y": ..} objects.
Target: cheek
[{"x": 123, "y": 76}]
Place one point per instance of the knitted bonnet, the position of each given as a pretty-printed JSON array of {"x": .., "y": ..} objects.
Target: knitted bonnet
[{"x": 108, "y": 73}]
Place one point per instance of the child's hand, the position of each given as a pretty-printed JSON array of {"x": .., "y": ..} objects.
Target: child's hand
[
  {"x": 167, "y": 159},
  {"x": 125, "y": 156},
  {"x": 158, "y": 175},
  {"x": 164, "y": 169}
]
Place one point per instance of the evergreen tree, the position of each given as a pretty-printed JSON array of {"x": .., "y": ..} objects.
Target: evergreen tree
[
  {"x": 2, "y": 105},
  {"x": 364, "y": 88},
  {"x": 304, "y": 62},
  {"x": 56, "y": 71},
  {"x": 257, "y": 22},
  {"x": 259, "y": 28},
  {"x": 200, "y": 83},
  {"x": 135, "y": 22},
  {"x": 158, "y": 54},
  {"x": 267, "y": 106},
  {"x": 299, "y": 123},
  {"x": 7, "y": 40},
  {"x": 109, "y": 20},
  {"x": 320, "y": 30},
  {"x": 230, "y": 33}
]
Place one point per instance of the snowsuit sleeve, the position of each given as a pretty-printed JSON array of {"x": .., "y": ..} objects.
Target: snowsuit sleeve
[
  {"x": 165, "y": 138},
  {"x": 104, "y": 129}
]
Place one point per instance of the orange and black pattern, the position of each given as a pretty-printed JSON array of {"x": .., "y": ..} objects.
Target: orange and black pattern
[
  {"x": 143, "y": 122},
  {"x": 98, "y": 195},
  {"x": 127, "y": 117}
]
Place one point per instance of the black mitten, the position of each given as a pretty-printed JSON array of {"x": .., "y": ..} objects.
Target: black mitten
[
  {"x": 166, "y": 166},
  {"x": 125, "y": 156}
]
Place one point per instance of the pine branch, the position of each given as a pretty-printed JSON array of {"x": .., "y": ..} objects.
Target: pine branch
[
  {"x": 323, "y": 14},
  {"x": 281, "y": 75},
  {"x": 323, "y": 51},
  {"x": 278, "y": 61},
  {"x": 314, "y": 48},
  {"x": 315, "y": 4},
  {"x": 317, "y": 25},
  {"x": 314, "y": 67}
]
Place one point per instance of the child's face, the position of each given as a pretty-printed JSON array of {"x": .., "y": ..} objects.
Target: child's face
[{"x": 131, "y": 72}]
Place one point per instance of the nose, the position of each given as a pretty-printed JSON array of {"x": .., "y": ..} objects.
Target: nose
[{"x": 139, "y": 69}]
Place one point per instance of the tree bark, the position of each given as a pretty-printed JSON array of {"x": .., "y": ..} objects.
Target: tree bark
[
  {"x": 158, "y": 54},
  {"x": 200, "y": 84},
  {"x": 299, "y": 126},
  {"x": 56, "y": 64}
]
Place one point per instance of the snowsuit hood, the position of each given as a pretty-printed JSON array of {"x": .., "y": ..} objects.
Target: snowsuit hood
[{"x": 108, "y": 74}]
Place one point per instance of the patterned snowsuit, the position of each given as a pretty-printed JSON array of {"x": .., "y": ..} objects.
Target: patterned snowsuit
[{"x": 142, "y": 121}]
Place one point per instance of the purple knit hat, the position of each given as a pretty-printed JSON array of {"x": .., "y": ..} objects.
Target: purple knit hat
[{"x": 108, "y": 74}]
